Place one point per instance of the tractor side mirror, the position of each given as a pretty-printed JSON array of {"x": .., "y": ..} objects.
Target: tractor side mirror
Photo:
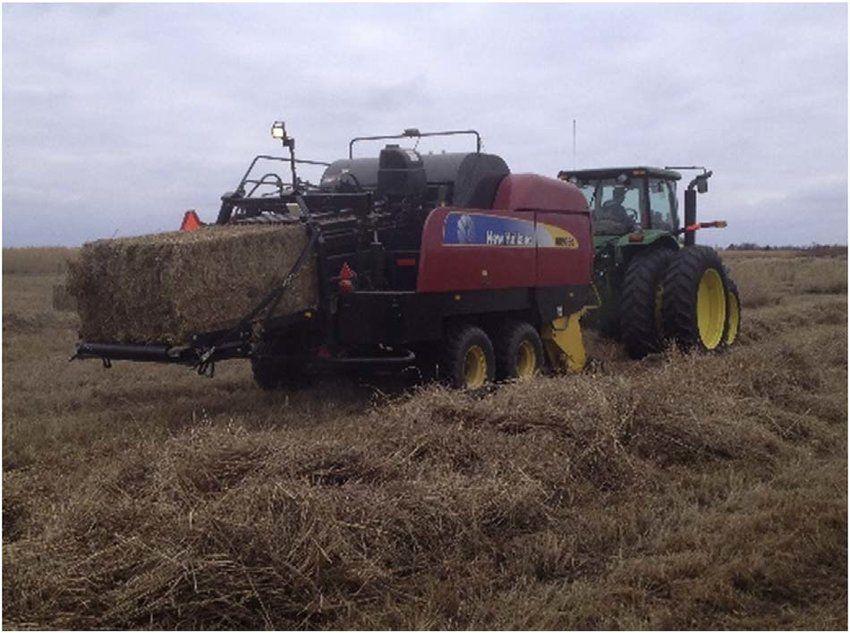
[{"x": 702, "y": 185}]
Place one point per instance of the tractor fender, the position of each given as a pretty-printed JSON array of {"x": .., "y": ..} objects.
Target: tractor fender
[{"x": 626, "y": 248}]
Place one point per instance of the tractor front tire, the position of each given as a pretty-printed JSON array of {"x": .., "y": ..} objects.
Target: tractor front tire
[
  {"x": 641, "y": 323},
  {"x": 519, "y": 351},
  {"x": 694, "y": 300},
  {"x": 469, "y": 361}
]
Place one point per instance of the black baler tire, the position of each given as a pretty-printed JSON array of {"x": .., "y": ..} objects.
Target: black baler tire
[
  {"x": 639, "y": 331},
  {"x": 268, "y": 375},
  {"x": 681, "y": 283},
  {"x": 455, "y": 346},
  {"x": 272, "y": 372},
  {"x": 511, "y": 336}
]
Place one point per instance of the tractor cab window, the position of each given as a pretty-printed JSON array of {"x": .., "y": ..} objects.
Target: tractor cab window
[
  {"x": 617, "y": 210},
  {"x": 662, "y": 206}
]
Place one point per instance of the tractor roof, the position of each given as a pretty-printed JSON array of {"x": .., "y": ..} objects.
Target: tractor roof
[{"x": 613, "y": 172}]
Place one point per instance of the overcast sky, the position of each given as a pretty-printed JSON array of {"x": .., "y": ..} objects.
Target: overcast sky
[{"x": 116, "y": 119}]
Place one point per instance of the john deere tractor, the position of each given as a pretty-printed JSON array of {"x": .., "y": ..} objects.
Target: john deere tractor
[{"x": 654, "y": 283}]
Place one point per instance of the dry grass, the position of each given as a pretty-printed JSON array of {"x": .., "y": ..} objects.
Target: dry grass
[
  {"x": 680, "y": 492},
  {"x": 765, "y": 279},
  {"x": 37, "y": 260}
]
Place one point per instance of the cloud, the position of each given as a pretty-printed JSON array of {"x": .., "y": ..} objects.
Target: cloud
[{"x": 119, "y": 117}]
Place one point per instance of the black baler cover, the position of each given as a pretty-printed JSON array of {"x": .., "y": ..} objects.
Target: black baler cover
[
  {"x": 474, "y": 177},
  {"x": 477, "y": 180}
]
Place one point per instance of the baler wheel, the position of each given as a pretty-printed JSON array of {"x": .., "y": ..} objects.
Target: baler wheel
[
  {"x": 694, "y": 302},
  {"x": 272, "y": 372},
  {"x": 468, "y": 357},
  {"x": 641, "y": 325},
  {"x": 519, "y": 351}
]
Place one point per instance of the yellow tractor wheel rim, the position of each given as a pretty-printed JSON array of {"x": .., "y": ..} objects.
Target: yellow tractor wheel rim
[
  {"x": 474, "y": 367},
  {"x": 526, "y": 360},
  {"x": 733, "y": 316},
  {"x": 711, "y": 308}
]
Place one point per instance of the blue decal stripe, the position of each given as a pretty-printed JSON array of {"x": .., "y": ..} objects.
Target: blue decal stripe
[{"x": 474, "y": 229}]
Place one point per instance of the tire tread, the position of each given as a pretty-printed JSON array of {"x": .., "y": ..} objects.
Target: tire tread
[
  {"x": 638, "y": 330},
  {"x": 680, "y": 292}
]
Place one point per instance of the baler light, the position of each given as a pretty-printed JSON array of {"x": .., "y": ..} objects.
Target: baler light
[{"x": 279, "y": 130}]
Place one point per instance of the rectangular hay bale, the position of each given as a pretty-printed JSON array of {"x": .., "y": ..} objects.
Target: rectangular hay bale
[{"x": 165, "y": 287}]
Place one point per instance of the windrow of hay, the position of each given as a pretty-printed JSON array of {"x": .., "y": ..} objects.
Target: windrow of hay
[
  {"x": 168, "y": 286},
  {"x": 442, "y": 509}
]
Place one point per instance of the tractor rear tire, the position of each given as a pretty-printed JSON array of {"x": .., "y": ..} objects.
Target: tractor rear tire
[
  {"x": 519, "y": 351},
  {"x": 641, "y": 323},
  {"x": 469, "y": 361},
  {"x": 694, "y": 300},
  {"x": 733, "y": 312}
]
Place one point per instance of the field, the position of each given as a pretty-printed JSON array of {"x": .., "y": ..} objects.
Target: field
[{"x": 681, "y": 492}]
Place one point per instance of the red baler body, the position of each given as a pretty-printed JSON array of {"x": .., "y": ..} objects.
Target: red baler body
[{"x": 537, "y": 234}]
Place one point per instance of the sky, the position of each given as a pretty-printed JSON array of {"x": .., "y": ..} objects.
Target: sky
[{"x": 118, "y": 118}]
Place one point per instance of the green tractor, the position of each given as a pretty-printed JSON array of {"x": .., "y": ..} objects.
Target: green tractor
[{"x": 654, "y": 283}]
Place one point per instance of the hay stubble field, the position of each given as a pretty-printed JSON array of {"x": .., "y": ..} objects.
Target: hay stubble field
[{"x": 705, "y": 491}]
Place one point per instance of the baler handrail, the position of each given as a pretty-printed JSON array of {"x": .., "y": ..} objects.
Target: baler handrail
[
  {"x": 270, "y": 178},
  {"x": 283, "y": 159},
  {"x": 413, "y": 133}
]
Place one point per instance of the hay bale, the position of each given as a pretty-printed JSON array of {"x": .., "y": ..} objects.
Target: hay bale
[{"x": 167, "y": 286}]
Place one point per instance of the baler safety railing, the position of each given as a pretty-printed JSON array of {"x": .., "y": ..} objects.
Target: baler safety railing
[
  {"x": 413, "y": 133},
  {"x": 283, "y": 159}
]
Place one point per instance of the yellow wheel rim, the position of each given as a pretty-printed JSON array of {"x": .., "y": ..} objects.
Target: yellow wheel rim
[
  {"x": 733, "y": 317},
  {"x": 474, "y": 367},
  {"x": 526, "y": 360},
  {"x": 711, "y": 308}
]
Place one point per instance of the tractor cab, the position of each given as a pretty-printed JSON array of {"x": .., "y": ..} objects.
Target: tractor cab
[{"x": 625, "y": 200}]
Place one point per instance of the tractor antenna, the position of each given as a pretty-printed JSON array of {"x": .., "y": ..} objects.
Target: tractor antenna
[{"x": 574, "y": 144}]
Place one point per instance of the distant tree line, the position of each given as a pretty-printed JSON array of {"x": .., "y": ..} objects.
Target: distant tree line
[{"x": 818, "y": 250}]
